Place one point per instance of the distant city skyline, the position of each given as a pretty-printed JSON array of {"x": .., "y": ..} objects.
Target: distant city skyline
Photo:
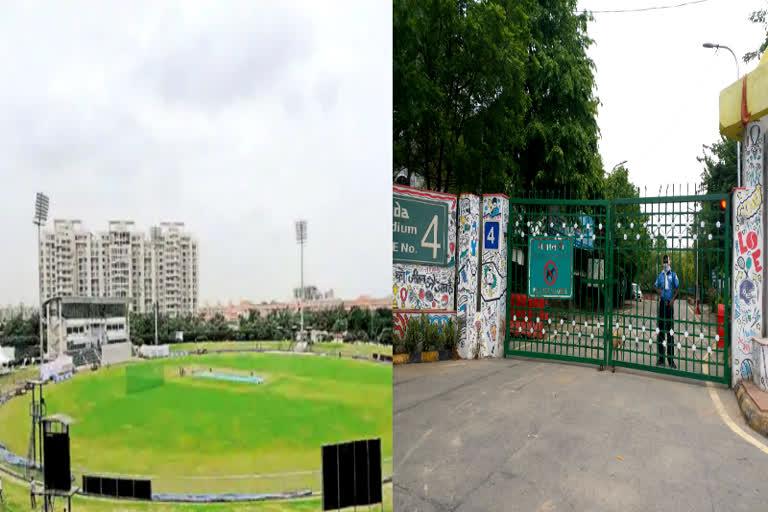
[{"x": 158, "y": 266}]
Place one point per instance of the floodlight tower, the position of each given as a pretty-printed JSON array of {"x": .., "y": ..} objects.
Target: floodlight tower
[
  {"x": 301, "y": 239},
  {"x": 41, "y": 217}
]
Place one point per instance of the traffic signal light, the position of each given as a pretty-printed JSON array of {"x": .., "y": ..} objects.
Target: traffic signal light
[{"x": 723, "y": 204}]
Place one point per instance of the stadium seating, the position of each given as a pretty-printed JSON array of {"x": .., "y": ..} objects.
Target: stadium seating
[{"x": 88, "y": 356}]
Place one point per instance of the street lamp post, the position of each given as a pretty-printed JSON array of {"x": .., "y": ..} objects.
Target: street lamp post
[
  {"x": 738, "y": 75},
  {"x": 301, "y": 239},
  {"x": 41, "y": 217},
  {"x": 619, "y": 164}
]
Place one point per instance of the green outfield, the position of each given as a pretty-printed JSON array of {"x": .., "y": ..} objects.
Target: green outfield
[{"x": 198, "y": 435}]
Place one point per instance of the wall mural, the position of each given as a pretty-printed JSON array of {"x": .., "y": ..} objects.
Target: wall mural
[
  {"x": 753, "y": 153},
  {"x": 493, "y": 274},
  {"x": 747, "y": 283},
  {"x": 424, "y": 287},
  {"x": 760, "y": 375},
  {"x": 400, "y": 319},
  {"x": 466, "y": 286}
]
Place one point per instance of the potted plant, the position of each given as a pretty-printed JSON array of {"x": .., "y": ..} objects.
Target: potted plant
[
  {"x": 448, "y": 336},
  {"x": 400, "y": 353},
  {"x": 413, "y": 337},
  {"x": 431, "y": 341}
]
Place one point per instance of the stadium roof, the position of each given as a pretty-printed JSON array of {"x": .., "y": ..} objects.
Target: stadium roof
[
  {"x": 88, "y": 300},
  {"x": 63, "y": 418}
]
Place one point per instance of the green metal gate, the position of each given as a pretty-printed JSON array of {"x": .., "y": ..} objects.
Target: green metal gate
[{"x": 612, "y": 318}]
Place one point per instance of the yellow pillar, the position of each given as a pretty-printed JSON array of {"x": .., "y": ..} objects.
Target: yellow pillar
[{"x": 749, "y": 349}]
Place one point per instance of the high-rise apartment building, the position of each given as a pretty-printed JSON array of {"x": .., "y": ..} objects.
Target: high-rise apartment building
[{"x": 160, "y": 268}]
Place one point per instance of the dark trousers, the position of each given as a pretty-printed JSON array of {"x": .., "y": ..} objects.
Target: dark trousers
[{"x": 666, "y": 314}]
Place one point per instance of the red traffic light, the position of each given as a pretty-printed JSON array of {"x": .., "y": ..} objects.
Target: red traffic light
[{"x": 723, "y": 204}]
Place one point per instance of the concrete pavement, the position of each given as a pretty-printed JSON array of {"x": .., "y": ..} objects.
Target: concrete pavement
[{"x": 515, "y": 434}]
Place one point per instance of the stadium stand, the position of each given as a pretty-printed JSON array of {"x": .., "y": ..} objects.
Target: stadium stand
[{"x": 88, "y": 356}]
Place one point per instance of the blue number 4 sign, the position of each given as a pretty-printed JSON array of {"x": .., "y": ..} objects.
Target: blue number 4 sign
[{"x": 492, "y": 235}]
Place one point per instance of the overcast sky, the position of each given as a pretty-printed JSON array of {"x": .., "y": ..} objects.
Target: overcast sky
[
  {"x": 234, "y": 117},
  {"x": 659, "y": 88}
]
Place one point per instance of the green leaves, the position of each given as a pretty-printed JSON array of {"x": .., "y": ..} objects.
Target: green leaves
[
  {"x": 759, "y": 17},
  {"x": 495, "y": 96},
  {"x": 458, "y": 90},
  {"x": 719, "y": 159}
]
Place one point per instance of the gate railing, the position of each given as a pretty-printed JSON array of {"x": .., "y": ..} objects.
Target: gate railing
[
  {"x": 570, "y": 330},
  {"x": 613, "y": 318}
]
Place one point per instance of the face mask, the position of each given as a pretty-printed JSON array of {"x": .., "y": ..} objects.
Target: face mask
[{"x": 666, "y": 267}]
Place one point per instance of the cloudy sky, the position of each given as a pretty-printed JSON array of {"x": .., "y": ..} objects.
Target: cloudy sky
[
  {"x": 659, "y": 88},
  {"x": 234, "y": 117}
]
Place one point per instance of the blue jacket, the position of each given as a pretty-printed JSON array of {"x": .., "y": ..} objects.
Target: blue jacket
[{"x": 674, "y": 283}]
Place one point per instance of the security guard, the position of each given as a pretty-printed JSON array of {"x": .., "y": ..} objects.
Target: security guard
[{"x": 666, "y": 286}]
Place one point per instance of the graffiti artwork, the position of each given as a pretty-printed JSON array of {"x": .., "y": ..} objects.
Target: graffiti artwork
[
  {"x": 750, "y": 206},
  {"x": 493, "y": 279},
  {"x": 423, "y": 287},
  {"x": 467, "y": 275},
  {"x": 427, "y": 287},
  {"x": 754, "y": 142},
  {"x": 760, "y": 368},
  {"x": 746, "y": 369},
  {"x": 747, "y": 283}
]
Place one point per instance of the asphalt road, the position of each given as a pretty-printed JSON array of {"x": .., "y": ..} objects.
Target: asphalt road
[{"x": 521, "y": 434}]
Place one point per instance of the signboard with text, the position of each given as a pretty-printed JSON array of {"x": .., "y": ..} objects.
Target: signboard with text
[
  {"x": 550, "y": 267},
  {"x": 419, "y": 231}
]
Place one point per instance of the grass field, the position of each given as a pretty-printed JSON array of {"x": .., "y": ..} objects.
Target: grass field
[
  {"x": 17, "y": 500},
  {"x": 18, "y": 377},
  {"x": 348, "y": 349},
  {"x": 194, "y": 435}
]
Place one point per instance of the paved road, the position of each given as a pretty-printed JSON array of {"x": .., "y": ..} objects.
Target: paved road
[{"x": 515, "y": 434}]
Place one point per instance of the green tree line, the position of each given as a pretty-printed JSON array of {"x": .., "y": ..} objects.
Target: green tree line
[{"x": 358, "y": 324}]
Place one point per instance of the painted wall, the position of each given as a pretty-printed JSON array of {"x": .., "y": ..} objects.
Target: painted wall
[
  {"x": 760, "y": 368},
  {"x": 467, "y": 274},
  {"x": 753, "y": 153},
  {"x": 750, "y": 246},
  {"x": 423, "y": 287},
  {"x": 493, "y": 276},
  {"x": 748, "y": 260},
  {"x": 400, "y": 318}
]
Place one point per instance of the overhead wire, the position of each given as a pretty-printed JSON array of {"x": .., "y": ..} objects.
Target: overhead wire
[{"x": 645, "y": 9}]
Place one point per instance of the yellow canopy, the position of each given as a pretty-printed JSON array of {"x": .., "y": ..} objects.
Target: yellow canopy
[{"x": 757, "y": 100}]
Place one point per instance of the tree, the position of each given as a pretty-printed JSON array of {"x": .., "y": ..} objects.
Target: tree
[
  {"x": 760, "y": 17},
  {"x": 495, "y": 96},
  {"x": 719, "y": 159},
  {"x": 559, "y": 150},
  {"x": 631, "y": 258},
  {"x": 718, "y": 176},
  {"x": 358, "y": 319},
  {"x": 458, "y": 90}
]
